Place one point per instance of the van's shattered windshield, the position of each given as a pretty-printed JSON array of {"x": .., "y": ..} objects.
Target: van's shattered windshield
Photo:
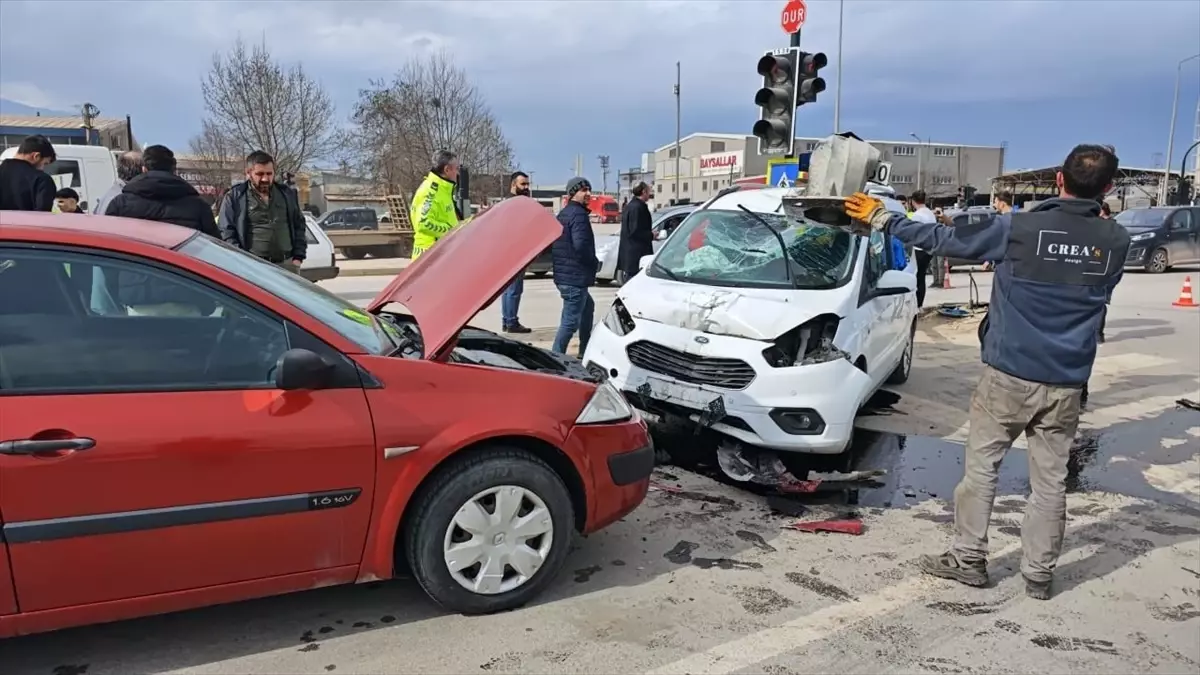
[{"x": 735, "y": 248}]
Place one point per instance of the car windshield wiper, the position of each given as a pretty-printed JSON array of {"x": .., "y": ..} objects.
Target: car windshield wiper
[
  {"x": 787, "y": 261},
  {"x": 655, "y": 265}
]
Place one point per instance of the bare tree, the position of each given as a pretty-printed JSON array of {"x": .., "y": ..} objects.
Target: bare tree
[
  {"x": 429, "y": 105},
  {"x": 214, "y": 163},
  {"x": 255, "y": 103}
]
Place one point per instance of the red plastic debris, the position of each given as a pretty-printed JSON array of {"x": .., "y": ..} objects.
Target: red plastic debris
[
  {"x": 842, "y": 526},
  {"x": 799, "y": 487}
]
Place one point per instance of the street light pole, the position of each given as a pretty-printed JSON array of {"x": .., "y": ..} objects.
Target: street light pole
[
  {"x": 1162, "y": 197},
  {"x": 837, "y": 99},
  {"x": 678, "y": 151},
  {"x": 919, "y": 160}
]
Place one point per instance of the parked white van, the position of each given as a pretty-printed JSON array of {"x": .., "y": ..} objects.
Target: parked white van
[{"x": 90, "y": 170}]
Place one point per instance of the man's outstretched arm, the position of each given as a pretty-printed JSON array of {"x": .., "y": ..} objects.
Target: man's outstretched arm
[{"x": 982, "y": 241}]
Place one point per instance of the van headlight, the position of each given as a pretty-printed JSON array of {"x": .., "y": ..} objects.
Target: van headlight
[
  {"x": 607, "y": 405},
  {"x": 618, "y": 319},
  {"x": 1142, "y": 237}
]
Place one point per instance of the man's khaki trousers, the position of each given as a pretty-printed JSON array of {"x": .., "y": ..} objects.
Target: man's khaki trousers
[{"x": 1002, "y": 408}]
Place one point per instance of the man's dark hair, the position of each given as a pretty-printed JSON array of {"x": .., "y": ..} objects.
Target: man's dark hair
[
  {"x": 640, "y": 189},
  {"x": 515, "y": 175},
  {"x": 39, "y": 144},
  {"x": 441, "y": 160},
  {"x": 159, "y": 158},
  {"x": 259, "y": 157},
  {"x": 1005, "y": 196},
  {"x": 1105, "y": 208},
  {"x": 918, "y": 197},
  {"x": 67, "y": 193},
  {"x": 1089, "y": 170}
]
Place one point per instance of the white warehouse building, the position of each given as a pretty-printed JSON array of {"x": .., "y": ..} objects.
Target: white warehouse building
[{"x": 709, "y": 162}]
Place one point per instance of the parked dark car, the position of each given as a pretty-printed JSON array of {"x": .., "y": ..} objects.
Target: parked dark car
[
  {"x": 353, "y": 218},
  {"x": 971, "y": 216},
  {"x": 1161, "y": 237}
]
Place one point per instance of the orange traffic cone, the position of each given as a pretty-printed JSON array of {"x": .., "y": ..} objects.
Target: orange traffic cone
[
  {"x": 945, "y": 273},
  {"x": 1185, "y": 295}
]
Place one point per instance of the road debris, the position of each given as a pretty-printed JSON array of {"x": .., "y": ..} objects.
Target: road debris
[
  {"x": 841, "y": 525},
  {"x": 1188, "y": 403}
]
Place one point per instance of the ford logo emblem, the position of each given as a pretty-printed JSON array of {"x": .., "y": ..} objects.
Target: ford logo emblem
[{"x": 701, "y": 339}]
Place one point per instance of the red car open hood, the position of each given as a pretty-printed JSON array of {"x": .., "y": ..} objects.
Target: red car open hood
[{"x": 451, "y": 282}]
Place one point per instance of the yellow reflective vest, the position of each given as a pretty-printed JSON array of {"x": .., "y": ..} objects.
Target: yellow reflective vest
[{"x": 432, "y": 213}]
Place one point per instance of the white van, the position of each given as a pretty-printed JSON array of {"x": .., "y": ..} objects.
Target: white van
[
  {"x": 319, "y": 263},
  {"x": 90, "y": 170}
]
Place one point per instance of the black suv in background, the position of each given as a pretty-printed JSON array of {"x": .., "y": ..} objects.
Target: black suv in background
[
  {"x": 1162, "y": 236},
  {"x": 353, "y": 218}
]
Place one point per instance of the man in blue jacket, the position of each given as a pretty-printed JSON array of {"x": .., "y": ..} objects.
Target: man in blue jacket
[
  {"x": 1056, "y": 265},
  {"x": 575, "y": 264}
]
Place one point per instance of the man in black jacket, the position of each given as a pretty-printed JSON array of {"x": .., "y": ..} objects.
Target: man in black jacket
[
  {"x": 264, "y": 217},
  {"x": 159, "y": 194},
  {"x": 575, "y": 267},
  {"x": 510, "y": 301},
  {"x": 24, "y": 185},
  {"x": 637, "y": 236}
]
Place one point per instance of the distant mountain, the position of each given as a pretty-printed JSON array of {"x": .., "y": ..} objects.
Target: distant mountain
[{"x": 8, "y": 107}]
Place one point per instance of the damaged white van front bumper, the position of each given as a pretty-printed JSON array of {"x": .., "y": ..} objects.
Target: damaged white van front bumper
[{"x": 726, "y": 383}]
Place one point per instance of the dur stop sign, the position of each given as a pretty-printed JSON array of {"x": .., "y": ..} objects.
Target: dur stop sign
[{"x": 794, "y": 13}]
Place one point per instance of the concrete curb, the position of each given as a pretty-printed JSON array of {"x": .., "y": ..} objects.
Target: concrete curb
[{"x": 369, "y": 271}]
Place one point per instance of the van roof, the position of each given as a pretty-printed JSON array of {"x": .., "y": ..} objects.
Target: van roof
[{"x": 69, "y": 151}]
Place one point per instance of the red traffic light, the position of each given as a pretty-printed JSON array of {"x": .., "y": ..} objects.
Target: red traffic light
[
  {"x": 811, "y": 63},
  {"x": 778, "y": 68}
]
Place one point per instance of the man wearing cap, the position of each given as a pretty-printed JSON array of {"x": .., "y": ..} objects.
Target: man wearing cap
[{"x": 575, "y": 264}]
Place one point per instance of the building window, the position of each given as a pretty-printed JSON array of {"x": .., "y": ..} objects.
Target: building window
[
  {"x": 944, "y": 152},
  {"x": 658, "y": 188},
  {"x": 716, "y": 146},
  {"x": 902, "y": 179},
  {"x": 671, "y": 153},
  {"x": 942, "y": 180},
  {"x": 903, "y": 150},
  {"x": 672, "y": 188},
  {"x": 685, "y": 188},
  {"x": 810, "y": 146},
  {"x": 704, "y": 185}
]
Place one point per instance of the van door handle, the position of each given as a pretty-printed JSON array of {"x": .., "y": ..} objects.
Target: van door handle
[{"x": 28, "y": 446}]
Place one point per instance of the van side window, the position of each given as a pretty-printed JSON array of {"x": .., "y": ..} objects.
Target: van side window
[
  {"x": 65, "y": 173},
  {"x": 1181, "y": 220}
]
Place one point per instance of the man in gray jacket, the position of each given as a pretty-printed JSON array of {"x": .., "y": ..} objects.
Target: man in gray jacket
[{"x": 129, "y": 166}]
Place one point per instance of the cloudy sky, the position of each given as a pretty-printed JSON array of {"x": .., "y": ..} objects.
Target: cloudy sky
[{"x": 569, "y": 77}]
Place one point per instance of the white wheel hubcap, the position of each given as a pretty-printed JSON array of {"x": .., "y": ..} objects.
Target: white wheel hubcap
[{"x": 498, "y": 540}]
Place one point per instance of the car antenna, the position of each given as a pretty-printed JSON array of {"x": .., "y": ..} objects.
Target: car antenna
[{"x": 787, "y": 263}]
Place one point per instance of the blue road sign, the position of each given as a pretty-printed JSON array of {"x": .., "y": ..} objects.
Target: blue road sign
[{"x": 782, "y": 172}]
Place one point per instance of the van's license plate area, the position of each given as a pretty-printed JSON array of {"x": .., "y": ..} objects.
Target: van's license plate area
[{"x": 711, "y": 408}]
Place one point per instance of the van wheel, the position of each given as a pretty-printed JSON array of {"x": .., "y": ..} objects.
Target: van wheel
[
  {"x": 490, "y": 532},
  {"x": 904, "y": 368},
  {"x": 1158, "y": 261},
  {"x": 355, "y": 253}
]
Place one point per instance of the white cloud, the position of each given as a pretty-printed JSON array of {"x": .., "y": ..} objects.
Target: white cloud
[{"x": 30, "y": 95}]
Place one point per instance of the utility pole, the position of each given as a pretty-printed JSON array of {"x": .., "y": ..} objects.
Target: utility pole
[
  {"x": 1162, "y": 198},
  {"x": 678, "y": 150},
  {"x": 603, "y": 173}
]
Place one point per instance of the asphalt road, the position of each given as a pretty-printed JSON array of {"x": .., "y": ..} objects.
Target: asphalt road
[{"x": 706, "y": 580}]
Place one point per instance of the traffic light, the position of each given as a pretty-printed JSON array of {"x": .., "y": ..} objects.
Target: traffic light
[
  {"x": 810, "y": 83},
  {"x": 776, "y": 101}
]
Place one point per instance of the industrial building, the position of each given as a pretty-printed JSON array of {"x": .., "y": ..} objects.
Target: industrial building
[
  {"x": 709, "y": 162},
  {"x": 108, "y": 132}
]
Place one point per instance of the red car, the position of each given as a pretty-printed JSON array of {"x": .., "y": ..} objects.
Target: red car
[{"x": 183, "y": 424}]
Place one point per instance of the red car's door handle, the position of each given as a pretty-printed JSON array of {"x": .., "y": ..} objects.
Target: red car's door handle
[{"x": 28, "y": 446}]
